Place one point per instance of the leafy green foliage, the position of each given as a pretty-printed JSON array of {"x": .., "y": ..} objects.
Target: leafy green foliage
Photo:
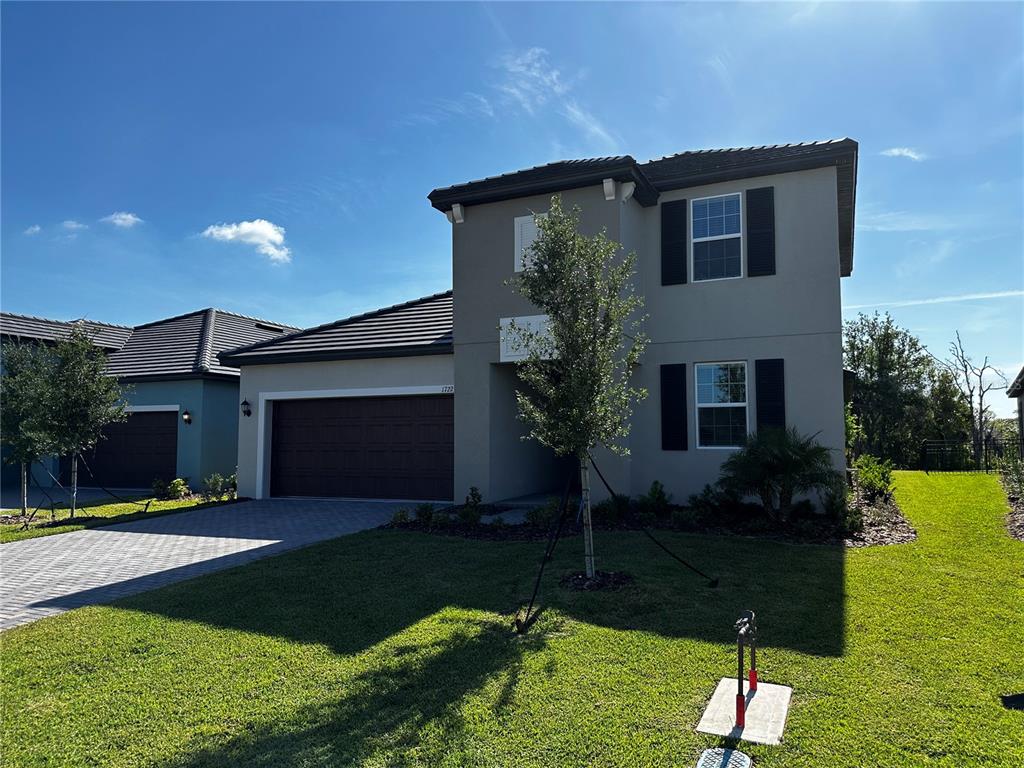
[
  {"x": 577, "y": 393},
  {"x": 469, "y": 514},
  {"x": 216, "y": 486},
  {"x": 775, "y": 465},
  {"x": 178, "y": 489},
  {"x": 424, "y": 513},
  {"x": 400, "y": 516},
  {"x": 901, "y": 396},
  {"x": 543, "y": 516},
  {"x": 27, "y": 371},
  {"x": 656, "y": 504},
  {"x": 874, "y": 476},
  {"x": 611, "y": 511}
]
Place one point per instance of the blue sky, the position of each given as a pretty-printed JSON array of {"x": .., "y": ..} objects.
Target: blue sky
[{"x": 139, "y": 139}]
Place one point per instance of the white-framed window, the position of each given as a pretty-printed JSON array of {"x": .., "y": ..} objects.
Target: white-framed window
[
  {"x": 526, "y": 233},
  {"x": 721, "y": 404},
  {"x": 717, "y": 239}
]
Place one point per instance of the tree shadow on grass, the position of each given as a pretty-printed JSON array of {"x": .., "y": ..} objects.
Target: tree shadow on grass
[
  {"x": 353, "y": 592},
  {"x": 384, "y": 710}
]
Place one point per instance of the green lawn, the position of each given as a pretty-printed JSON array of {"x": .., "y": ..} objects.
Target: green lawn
[
  {"x": 393, "y": 648},
  {"x": 94, "y": 513}
]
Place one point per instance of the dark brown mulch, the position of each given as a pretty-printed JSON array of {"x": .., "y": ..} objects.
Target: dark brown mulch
[
  {"x": 484, "y": 531},
  {"x": 884, "y": 523},
  {"x": 603, "y": 580},
  {"x": 1015, "y": 518}
]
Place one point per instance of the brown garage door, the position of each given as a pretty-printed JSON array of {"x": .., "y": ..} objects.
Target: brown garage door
[
  {"x": 133, "y": 454},
  {"x": 366, "y": 447}
]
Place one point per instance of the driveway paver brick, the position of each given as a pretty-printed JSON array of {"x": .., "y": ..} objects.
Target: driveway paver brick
[{"x": 52, "y": 574}]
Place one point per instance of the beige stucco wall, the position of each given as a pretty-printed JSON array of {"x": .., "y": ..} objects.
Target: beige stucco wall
[
  {"x": 261, "y": 383},
  {"x": 794, "y": 314}
]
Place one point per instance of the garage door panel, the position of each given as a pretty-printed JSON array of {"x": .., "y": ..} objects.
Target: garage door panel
[
  {"x": 375, "y": 447},
  {"x": 133, "y": 453}
]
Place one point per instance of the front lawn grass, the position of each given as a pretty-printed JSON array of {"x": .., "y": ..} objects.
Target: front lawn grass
[
  {"x": 393, "y": 648},
  {"x": 91, "y": 514}
]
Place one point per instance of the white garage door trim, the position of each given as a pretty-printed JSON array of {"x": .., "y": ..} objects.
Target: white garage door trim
[{"x": 263, "y": 432}]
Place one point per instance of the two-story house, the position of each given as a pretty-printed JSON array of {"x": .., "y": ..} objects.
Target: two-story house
[{"x": 740, "y": 255}]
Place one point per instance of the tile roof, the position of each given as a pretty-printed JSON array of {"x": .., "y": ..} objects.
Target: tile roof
[
  {"x": 188, "y": 345},
  {"x": 419, "y": 327},
  {"x": 686, "y": 169},
  {"x": 103, "y": 335},
  {"x": 1016, "y": 388}
]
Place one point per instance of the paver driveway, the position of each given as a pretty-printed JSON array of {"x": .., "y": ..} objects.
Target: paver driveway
[{"x": 52, "y": 574}]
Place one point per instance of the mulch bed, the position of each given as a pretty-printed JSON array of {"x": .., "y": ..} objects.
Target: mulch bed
[
  {"x": 1015, "y": 519},
  {"x": 884, "y": 523},
  {"x": 603, "y": 580},
  {"x": 484, "y": 531}
]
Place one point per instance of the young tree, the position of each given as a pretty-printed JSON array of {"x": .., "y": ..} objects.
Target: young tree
[
  {"x": 974, "y": 381},
  {"x": 577, "y": 392},
  {"x": 27, "y": 369},
  {"x": 81, "y": 400}
]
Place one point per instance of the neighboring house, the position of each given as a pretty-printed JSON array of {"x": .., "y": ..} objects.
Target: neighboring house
[
  {"x": 38, "y": 330},
  {"x": 360, "y": 408},
  {"x": 1016, "y": 389},
  {"x": 183, "y": 402},
  {"x": 740, "y": 255}
]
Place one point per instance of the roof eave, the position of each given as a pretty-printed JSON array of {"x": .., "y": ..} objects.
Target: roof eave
[{"x": 334, "y": 355}]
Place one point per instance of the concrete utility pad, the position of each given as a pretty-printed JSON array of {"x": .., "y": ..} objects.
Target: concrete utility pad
[{"x": 767, "y": 708}]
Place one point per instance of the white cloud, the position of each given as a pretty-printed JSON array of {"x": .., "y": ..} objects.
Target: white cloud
[
  {"x": 122, "y": 219},
  {"x": 903, "y": 221},
  {"x": 940, "y": 299},
  {"x": 35, "y": 229},
  {"x": 468, "y": 105},
  {"x": 73, "y": 225},
  {"x": 907, "y": 152},
  {"x": 530, "y": 80},
  {"x": 266, "y": 236},
  {"x": 590, "y": 125}
]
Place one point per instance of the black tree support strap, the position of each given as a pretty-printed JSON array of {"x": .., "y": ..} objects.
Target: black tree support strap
[
  {"x": 30, "y": 517},
  {"x": 556, "y": 530},
  {"x": 111, "y": 493},
  {"x": 712, "y": 582}
]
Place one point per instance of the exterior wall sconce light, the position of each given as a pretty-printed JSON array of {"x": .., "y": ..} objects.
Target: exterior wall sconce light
[
  {"x": 186, "y": 416},
  {"x": 246, "y": 408}
]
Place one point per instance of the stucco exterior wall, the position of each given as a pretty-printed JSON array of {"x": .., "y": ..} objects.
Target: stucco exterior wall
[
  {"x": 261, "y": 384},
  {"x": 794, "y": 314}
]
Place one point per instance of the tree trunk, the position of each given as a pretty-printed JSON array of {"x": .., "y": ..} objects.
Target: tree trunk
[
  {"x": 588, "y": 530},
  {"x": 24, "y": 488},
  {"x": 74, "y": 483}
]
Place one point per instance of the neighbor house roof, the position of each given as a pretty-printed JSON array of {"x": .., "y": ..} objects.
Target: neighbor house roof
[
  {"x": 419, "y": 327},
  {"x": 686, "y": 169},
  {"x": 187, "y": 345},
  {"x": 1016, "y": 389},
  {"x": 41, "y": 329}
]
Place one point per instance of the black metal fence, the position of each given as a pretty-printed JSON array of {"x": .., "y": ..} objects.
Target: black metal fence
[{"x": 964, "y": 456}]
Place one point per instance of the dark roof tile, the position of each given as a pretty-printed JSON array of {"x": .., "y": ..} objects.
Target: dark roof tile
[
  {"x": 422, "y": 326},
  {"x": 103, "y": 335}
]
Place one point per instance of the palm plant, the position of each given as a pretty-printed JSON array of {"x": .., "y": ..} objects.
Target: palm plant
[{"x": 775, "y": 465}]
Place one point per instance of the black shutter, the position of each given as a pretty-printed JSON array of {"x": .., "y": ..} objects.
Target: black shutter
[
  {"x": 673, "y": 242},
  {"x": 761, "y": 232},
  {"x": 770, "y": 378},
  {"x": 673, "y": 407}
]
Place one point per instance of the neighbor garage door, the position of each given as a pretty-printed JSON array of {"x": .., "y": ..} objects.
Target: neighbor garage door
[
  {"x": 134, "y": 453},
  {"x": 367, "y": 447}
]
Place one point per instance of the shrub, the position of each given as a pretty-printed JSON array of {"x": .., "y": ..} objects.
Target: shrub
[
  {"x": 400, "y": 517},
  {"x": 543, "y": 516},
  {"x": 685, "y": 519},
  {"x": 159, "y": 488},
  {"x": 474, "y": 499},
  {"x": 440, "y": 519},
  {"x": 611, "y": 511},
  {"x": 178, "y": 489},
  {"x": 1012, "y": 470},
  {"x": 424, "y": 513},
  {"x": 775, "y": 465},
  {"x": 469, "y": 514},
  {"x": 655, "y": 504},
  {"x": 874, "y": 477},
  {"x": 215, "y": 487}
]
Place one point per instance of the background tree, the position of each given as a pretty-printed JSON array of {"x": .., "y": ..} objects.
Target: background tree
[
  {"x": 27, "y": 370},
  {"x": 949, "y": 418},
  {"x": 890, "y": 397},
  {"x": 974, "y": 381},
  {"x": 577, "y": 373},
  {"x": 81, "y": 400}
]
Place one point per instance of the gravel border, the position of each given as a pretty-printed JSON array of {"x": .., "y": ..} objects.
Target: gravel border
[{"x": 1015, "y": 517}]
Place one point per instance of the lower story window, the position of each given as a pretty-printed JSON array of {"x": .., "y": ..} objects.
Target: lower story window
[{"x": 721, "y": 404}]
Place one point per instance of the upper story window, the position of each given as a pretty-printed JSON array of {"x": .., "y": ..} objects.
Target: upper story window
[
  {"x": 721, "y": 404},
  {"x": 717, "y": 238},
  {"x": 526, "y": 233}
]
